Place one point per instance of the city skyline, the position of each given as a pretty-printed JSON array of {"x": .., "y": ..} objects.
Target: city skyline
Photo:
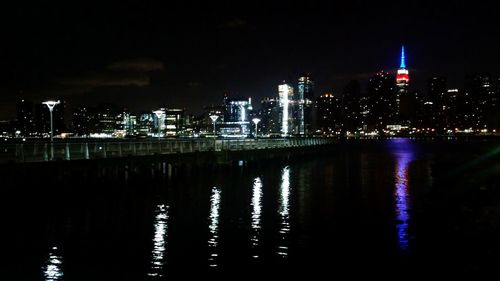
[
  {"x": 191, "y": 54},
  {"x": 385, "y": 108},
  {"x": 337, "y": 91}
]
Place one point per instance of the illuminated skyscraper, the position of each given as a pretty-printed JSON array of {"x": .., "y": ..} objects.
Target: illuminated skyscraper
[
  {"x": 285, "y": 96},
  {"x": 304, "y": 101},
  {"x": 236, "y": 116},
  {"x": 145, "y": 123},
  {"x": 402, "y": 81},
  {"x": 270, "y": 117},
  {"x": 174, "y": 121},
  {"x": 403, "y": 77}
]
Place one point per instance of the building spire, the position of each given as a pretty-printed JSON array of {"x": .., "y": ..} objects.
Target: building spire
[{"x": 403, "y": 62}]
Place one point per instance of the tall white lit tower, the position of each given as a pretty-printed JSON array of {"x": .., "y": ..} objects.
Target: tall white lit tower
[{"x": 285, "y": 96}]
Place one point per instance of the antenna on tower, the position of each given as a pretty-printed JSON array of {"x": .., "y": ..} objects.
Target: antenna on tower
[{"x": 403, "y": 59}]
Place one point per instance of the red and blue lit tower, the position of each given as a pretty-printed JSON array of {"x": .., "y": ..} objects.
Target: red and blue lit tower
[
  {"x": 402, "y": 81},
  {"x": 403, "y": 76}
]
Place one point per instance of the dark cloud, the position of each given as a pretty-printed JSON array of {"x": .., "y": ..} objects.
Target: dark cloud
[
  {"x": 137, "y": 65},
  {"x": 233, "y": 24},
  {"x": 107, "y": 79},
  {"x": 355, "y": 76},
  {"x": 193, "y": 84},
  {"x": 132, "y": 72},
  {"x": 121, "y": 81}
]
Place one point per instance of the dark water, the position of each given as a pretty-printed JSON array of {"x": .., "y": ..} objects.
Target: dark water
[{"x": 393, "y": 209}]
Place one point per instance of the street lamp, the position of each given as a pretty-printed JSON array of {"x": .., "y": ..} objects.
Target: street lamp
[
  {"x": 256, "y": 121},
  {"x": 214, "y": 118},
  {"x": 51, "y": 104},
  {"x": 159, "y": 114}
]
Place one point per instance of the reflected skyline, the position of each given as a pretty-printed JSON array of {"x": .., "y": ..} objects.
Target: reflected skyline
[
  {"x": 402, "y": 198},
  {"x": 159, "y": 241},
  {"x": 284, "y": 212},
  {"x": 53, "y": 270},
  {"x": 256, "y": 213},
  {"x": 214, "y": 226},
  {"x": 383, "y": 205}
]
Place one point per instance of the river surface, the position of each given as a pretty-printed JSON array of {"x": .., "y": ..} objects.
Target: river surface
[{"x": 393, "y": 209}]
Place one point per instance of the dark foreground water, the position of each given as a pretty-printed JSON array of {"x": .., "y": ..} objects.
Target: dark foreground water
[{"x": 394, "y": 209}]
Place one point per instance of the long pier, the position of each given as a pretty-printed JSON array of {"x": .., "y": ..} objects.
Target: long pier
[
  {"x": 33, "y": 151},
  {"x": 29, "y": 163}
]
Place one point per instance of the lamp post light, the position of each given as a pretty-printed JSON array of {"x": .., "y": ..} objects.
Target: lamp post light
[
  {"x": 256, "y": 121},
  {"x": 214, "y": 118},
  {"x": 159, "y": 114},
  {"x": 51, "y": 104}
]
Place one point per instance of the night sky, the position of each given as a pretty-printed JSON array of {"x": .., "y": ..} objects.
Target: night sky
[{"x": 188, "y": 54}]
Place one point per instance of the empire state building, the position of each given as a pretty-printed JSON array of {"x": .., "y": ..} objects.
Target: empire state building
[{"x": 402, "y": 81}]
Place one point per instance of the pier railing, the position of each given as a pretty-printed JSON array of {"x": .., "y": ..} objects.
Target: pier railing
[{"x": 72, "y": 150}]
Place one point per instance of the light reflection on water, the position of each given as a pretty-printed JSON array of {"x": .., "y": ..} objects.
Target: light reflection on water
[
  {"x": 402, "y": 198},
  {"x": 256, "y": 212},
  {"x": 214, "y": 226},
  {"x": 159, "y": 241},
  {"x": 53, "y": 270},
  {"x": 316, "y": 205},
  {"x": 284, "y": 212}
]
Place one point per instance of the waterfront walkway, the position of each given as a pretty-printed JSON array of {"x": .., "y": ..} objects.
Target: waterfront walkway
[{"x": 39, "y": 151}]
